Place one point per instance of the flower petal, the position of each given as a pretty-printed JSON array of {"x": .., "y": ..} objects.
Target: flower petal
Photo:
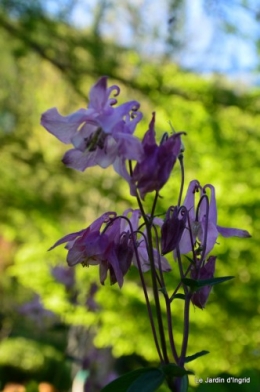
[
  {"x": 230, "y": 232},
  {"x": 68, "y": 238},
  {"x": 64, "y": 128},
  {"x": 79, "y": 160}
]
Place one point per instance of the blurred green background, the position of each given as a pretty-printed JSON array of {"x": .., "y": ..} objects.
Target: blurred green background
[{"x": 48, "y": 328}]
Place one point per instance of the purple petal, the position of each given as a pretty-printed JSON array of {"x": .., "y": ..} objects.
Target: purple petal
[
  {"x": 212, "y": 235},
  {"x": 185, "y": 245},
  {"x": 120, "y": 168},
  {"x": 161, "y": 261},
  {"x": 129, "y": 147},
  {"x": 130, "y": 123},
  {"x": 200, "y": 297},
  {"x": 134, "y": 220},
  {"x": 64, "y": 128},
  {"x": 68, "y": 238},
  {"x": 104, "y": 218},
  {"x": 212, "y": 204},
  {"x": 114, "y": 262},
  {"x": 149, "y": 137},
  {"x": 107, "y": 155},
  {"x": 109, "y": 119},
  {"x": 79, "y": 160},
  {"x": 230, "y": 232},
  {"x": 190, "y": 198},
  {"x": 98, "y": 94}
]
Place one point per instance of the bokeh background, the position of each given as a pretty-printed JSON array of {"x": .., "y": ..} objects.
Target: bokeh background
[{"x": 196, "y": 63}]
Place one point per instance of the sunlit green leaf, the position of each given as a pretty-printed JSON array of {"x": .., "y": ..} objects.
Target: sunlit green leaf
[
  {"x": 197, "y": 284},
  {"x": 197, "y": 355}
]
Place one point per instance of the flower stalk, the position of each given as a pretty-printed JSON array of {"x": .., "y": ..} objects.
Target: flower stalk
[{"x": 103, "y": 135}]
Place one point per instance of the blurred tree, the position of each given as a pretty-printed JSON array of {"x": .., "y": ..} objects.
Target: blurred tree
[
  {"x": 48, "y": 62},
  {"x": 192, "y": 33}
]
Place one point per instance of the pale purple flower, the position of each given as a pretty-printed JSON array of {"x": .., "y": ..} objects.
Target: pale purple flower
[
  {"x": 36, "y": 311},
  {"x": 101, "y": 134},
  {"x": 203, "y": 224},
  {"x": 153, "y": 171},
  {"x": 64, "y": 275}
]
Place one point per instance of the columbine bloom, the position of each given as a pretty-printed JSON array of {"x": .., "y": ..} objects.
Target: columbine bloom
[
  {"x": 64, "y": 275},
  {"x": 93, "y": 247},
  {"x": 200, "y": 297},
  {"x": 173, "y": 228},
  {"x": 153, "y": 171},
  {"x": 112, "y": 248},
  {"x": 203, "y": 221},
  {"x": 101, "y": 134},
  {"x": 35, "y": 310}
]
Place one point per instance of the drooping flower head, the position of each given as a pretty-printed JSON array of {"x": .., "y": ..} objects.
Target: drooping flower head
[
  {"x": 203, "y": 220},
  {"x": 172, "y": 228},
  {"x": 110, "y": 243},
  {"x": 200, "y": 297},
  {"x": 153, "y": 171},
  {"x": 101, "y": 134}
]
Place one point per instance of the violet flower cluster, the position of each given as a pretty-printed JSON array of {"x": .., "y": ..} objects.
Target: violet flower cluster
[{"x": 103, "y": 135}]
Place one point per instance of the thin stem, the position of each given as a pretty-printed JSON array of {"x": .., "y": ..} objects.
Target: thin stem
[
  {"x": 148, "y": 305},
  {"x": 150, "y": 314},
  {"x": 154, "y": 204},
  {"x": 153, "y": 272},
  {"x": 156, "y": 293},
  {"x": 182, "y": 178},
  {"x": 186, "y": 314},
  {"x": 161, "y": 280},
  {"x": 180, "y": 284},
  {"x": 170, "y": 328},
  {"x": 185, "y": 329}
]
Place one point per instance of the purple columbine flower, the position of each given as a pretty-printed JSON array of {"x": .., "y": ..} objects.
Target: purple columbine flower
[
  {"x": 112, "y": 248},
  {"x": 153, "y": 171},
  {"x": 203, "y": 220},
  {"x": 172, "y": 228},
  {"x": 200, "y": 297},
  {"x": 101, "y": 134},
  {"x": 35, "y": 310},
  {"x": 93, "y": 247},
  {"x": 64, "y": 275}
]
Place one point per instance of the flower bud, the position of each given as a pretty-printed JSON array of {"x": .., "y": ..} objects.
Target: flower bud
[
  {"x": 200, "y": 297},
  {"x": 173, "y": 228}
]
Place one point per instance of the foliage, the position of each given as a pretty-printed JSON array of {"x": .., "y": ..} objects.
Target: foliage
[{"x": 41, "y": 200}]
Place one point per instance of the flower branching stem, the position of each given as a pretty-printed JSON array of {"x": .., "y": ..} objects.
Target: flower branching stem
[{"x": 103, "y": 135}]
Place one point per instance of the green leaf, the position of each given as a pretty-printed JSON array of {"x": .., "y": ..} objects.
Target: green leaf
[
  {"x": 147, "y": 382},
  {"x": 198, "y": 284},
  {"x": 180, "y": 296},
  {"x": 190, "y": 260},
  {"x": 197, "y": 355},
  {"x": 122, "y": 383},
  {"x": 174, "y": 370}
]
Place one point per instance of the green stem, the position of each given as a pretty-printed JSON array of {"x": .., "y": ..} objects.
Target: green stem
[
  {"x": 186, "y": 317},
  {"x": 155, "y": 291}
]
